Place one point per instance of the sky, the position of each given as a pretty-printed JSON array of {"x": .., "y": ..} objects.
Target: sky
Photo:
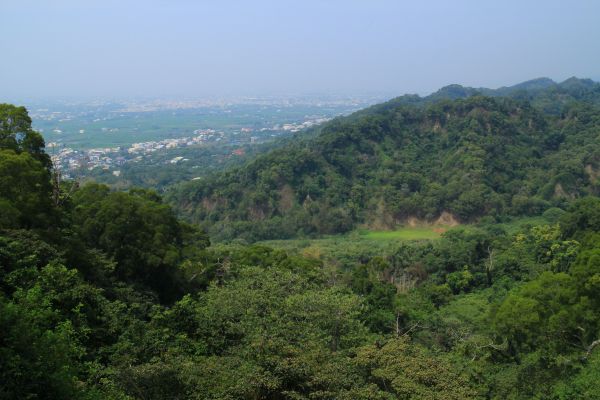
[{"x": 196, "y": 48}]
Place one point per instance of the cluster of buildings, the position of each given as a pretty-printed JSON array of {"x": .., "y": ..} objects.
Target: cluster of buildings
[
  {"x": 298, "y": 127},
  {"x": 202, "y": 136},
  {"x": 70, "y": 160}
]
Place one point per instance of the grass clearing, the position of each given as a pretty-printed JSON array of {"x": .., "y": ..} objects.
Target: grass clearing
[
  {"x": 362, "y": 244},
  {"x": 405, "y": 233}
]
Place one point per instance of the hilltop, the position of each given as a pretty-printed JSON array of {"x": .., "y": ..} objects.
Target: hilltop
[{"x": 545, "y": 94}]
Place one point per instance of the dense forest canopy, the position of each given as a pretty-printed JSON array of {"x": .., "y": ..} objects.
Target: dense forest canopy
[
  {"x": 454, "y": 154},
  {"x": 109, "y": 295}
]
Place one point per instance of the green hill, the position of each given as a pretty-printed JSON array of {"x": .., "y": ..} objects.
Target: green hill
[{"x": 413, "y": 158}]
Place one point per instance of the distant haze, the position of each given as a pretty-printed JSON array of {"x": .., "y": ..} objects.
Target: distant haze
[{"x": 224, "y": 48}]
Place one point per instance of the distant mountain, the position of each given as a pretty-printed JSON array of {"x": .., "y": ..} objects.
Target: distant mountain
[
  {"x": 453, "y": 92},
  {"x": 454, "y": 156},
  {"x": 533, "y": 85},
  {"x": 544, "y": 93}
]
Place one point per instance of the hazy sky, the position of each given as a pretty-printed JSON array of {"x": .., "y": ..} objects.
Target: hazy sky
[{"x": 201, "y": 48}]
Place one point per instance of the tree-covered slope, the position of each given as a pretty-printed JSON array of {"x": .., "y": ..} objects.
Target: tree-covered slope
[
  {"x": 461, "y": 159},
  {"x": 107, "y": 295}
]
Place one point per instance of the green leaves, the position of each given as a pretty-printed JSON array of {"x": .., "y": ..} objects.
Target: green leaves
[
  {"x": 25, "y": 191},
  {"x": 543, "y": 314},
  {"x": 405, "y": 371},
  {"x": 17, "y": 135},
  {"x": 39, "y": 345},
  {"x": 137, "y": 231}
]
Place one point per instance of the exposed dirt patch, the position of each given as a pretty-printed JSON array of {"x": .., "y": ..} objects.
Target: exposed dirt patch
[
  {"x": 209, "y": 204},
  {"x": 446, "y": 219},
  {"x": 384, "y": 221},
  {"x": 256, "y": 213},
  {"x": 559, "y": 191},
  {"x": 286, "y": 198},
  {"x": 413, "y": 222},
  {"x": 593, "y": 174}
]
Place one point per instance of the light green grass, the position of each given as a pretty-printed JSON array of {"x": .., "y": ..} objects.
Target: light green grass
[{"x": 407, "y": 233}]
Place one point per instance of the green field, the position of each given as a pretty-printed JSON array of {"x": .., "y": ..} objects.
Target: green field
[{"x": 405, "y": 233}]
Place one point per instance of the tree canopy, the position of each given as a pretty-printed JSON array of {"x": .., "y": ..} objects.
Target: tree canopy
[
  {"x": 463, "y": 159},
  {"x": 107, "y": 294}
]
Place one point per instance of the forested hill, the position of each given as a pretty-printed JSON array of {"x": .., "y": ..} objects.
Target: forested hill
[
  {"x": 107, "y": 295},
  {"x": 458, "y": 159},
  {"x": 543, "y": 93},
  {"x": 549, "y": 96}
]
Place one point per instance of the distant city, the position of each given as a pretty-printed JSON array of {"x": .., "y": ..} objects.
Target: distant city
[
  {"x": 83, "y": 136},
  {"x": 68, "y": 159}
]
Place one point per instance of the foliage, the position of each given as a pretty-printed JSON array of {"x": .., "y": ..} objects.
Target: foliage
[
  {"x": 108, "y": 295},
  {"x": 25, "y": 190},
  {"x": 452, "y": 160}
]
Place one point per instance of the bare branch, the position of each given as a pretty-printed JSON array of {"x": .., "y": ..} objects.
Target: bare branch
[{"x": 590, "y": 348}]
